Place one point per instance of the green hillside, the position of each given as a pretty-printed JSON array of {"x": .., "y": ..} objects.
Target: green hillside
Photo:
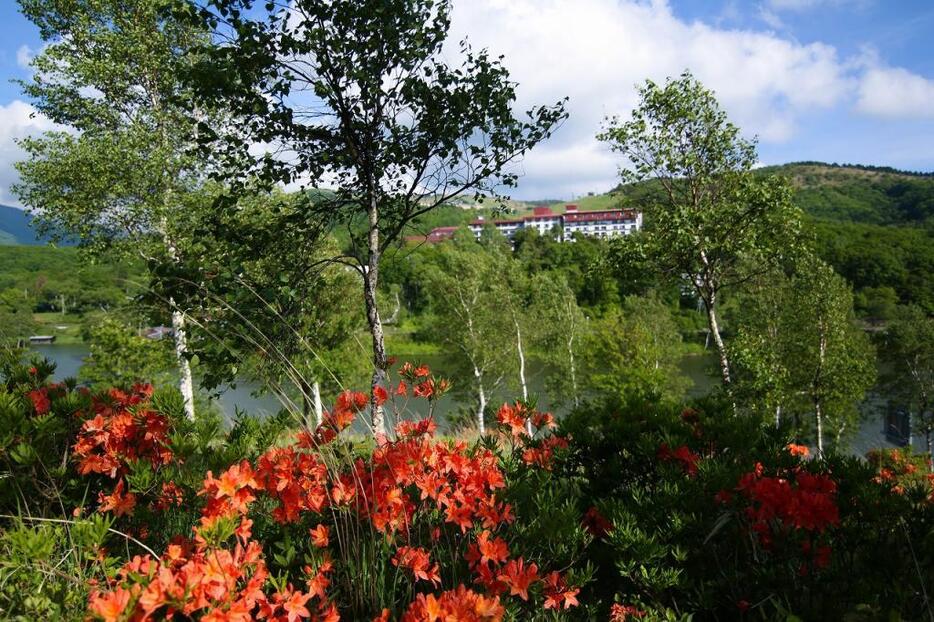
[
  {"x": 15, "y": 227},
  {"x": 871, "y": 195},
  {"x": 841, "y": 193}
]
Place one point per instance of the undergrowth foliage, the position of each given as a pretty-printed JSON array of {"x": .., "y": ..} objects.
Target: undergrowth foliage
[{"x": 116, "y": 507}]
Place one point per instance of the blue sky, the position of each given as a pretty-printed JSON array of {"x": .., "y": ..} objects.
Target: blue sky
[{"x": 832, "y": 80}]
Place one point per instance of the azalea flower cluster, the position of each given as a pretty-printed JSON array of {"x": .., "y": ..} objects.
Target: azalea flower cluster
[
  {"x": 408, "y": 482},
  {"x": 401, "y": 478},
  {"x": 682, "y": 455},
  {"x": 41, "y": 397},
  {"x": 419, "y": 381},
  {"x": 120, "y": 429},
  {"x": 524, "y": 423},
  {"x": 625, "y": 613},
  {"x": 900, "y": 470},
  {"x": 796, "y": 500},
  {"x": 460, "y": 604},
  {"x": 123, "y": 429},
  {"x": 195, "y": 580}
]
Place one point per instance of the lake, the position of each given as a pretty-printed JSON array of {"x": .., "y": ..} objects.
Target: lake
[{"x": 699, "y": 368}]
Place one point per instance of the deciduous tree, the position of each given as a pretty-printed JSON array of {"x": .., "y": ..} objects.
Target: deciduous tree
[
  {"x": 468, "y": 318},
  {"x": 116, "y": 172},
  {"x": 908, "y": 347},
  {"x": 633, "y": 351},
  {"x": 356, "y": 95},
  {"x": 710, "y": 221},
  {"x": 830, "y": 357}
]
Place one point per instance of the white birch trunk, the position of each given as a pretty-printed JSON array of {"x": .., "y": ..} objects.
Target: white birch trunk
[
  {"x": 577, "y": 399},
  {"x": 370, "y": 284},
  {"x": 481, "y": 394},
  {"x": 185, "y": 383},
  {"x": 316, "y": 402},
  {"x": 525, "y": 388},
  {"x": 718, "y": 341},
  {"x": 821, "y": 354}
]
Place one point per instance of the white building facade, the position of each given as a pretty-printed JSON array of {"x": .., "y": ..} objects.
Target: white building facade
[{"x": 601, "y": 224}]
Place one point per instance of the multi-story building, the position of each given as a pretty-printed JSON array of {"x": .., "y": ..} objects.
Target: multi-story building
[{"x": 602, "y": 223}]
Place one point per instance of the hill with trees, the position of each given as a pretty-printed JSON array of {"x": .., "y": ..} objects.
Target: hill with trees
[{"x": 15, "y": 227}]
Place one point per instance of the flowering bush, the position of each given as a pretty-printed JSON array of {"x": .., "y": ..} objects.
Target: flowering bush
[
  {"x": 619, "y": 512},
  {"x": 699, "y": 512},
  {"x": 391, "y": 515}
]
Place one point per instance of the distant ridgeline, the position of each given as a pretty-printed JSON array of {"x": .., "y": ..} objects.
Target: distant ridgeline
[
  {"x": 877, "y": 195},
  {"x": 845, "y": 193},
  {"x": 16, "y": 229},
  {"x": 860, "y": 167}
]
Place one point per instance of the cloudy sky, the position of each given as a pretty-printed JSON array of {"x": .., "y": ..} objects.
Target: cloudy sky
[{"x": 832, "y": 80}]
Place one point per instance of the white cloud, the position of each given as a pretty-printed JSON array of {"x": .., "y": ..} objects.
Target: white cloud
[
  {"x": 24, "y": 56},
  {"x": 596, "y": 51},
  {"x": 895, "y": 92},
  {"x": 17, "y": 120}
]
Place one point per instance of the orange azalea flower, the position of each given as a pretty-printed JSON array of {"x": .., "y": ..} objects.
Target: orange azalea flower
[
  {"x": 380, "y": 395},
  {"x": 425, "y": 389},
  {"x": 625, "y": 613},
  {"x": 557, "y": 593},
  {"x": 110, "y": 607},
  {"x": 352, "y": 401},
  {"x": 319, "y": 536},
  {"x": 518, "y": 577},
  {"x": 118, "y": 502},
  {"x": 515, "y": 417},
  {"x": 798, "y": 450},
  {"x": 462, "y": 604},
  {"x": 40, "y": 400},
  {"x": 295, "y": 608},
  {"x": 417, "y": 561},
  {"x": 494, "y": 550}
]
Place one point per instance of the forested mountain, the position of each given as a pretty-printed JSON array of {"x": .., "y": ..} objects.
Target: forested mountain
[
  {"x": 862, "y": 194},
  {"x": 839, "y": 192},
  {"x": 15, "y": 227}
]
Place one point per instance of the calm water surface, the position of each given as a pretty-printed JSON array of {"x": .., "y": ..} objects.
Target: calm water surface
[{"x": 700, "y": 369}]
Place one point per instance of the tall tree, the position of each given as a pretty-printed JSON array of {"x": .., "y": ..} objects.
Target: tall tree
[
  {"x": 269, "y": 305},
  {"x": 562, "y": 331},
  {"x": 357, "y": 95},
  {"x": 908, "y": 347},
  {"x": 760, "y": 349},
  {"x": 710, "y": 220},
  {"x": 116, "y": 175},
  {"x": 466, "y": 301},
  {"x": 829, "y": 356}
]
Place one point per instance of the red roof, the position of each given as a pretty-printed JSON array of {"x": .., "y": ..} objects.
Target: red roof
[
  {"x": 542, "y": 210},
  {"x": 438, "y": 234},
  {"x": 610, "y": 214}
]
